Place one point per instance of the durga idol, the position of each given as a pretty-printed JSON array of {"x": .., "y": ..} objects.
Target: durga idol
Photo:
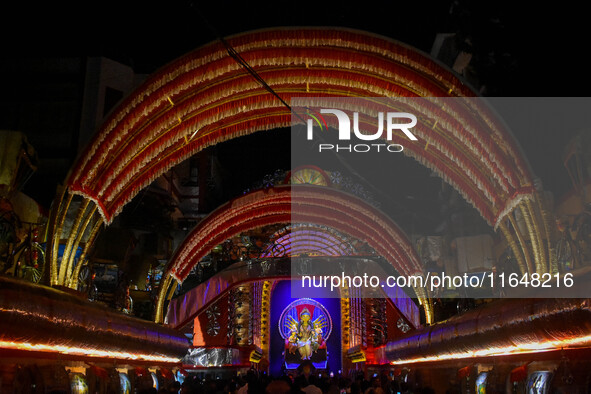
[{"x": 304, "y": 336}]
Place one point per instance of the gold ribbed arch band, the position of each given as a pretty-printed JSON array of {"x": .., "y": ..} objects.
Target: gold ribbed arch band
[
  {"x": 205, "y": 98},
  {"x": 316, "y": 205}
]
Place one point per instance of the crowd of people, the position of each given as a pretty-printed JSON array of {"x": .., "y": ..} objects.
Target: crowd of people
[{"x": 308, "y": 383}]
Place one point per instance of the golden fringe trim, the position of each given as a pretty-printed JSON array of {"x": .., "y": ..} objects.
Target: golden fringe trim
[
  {"x": 265, "y": 316},
  {"x": 548, "y": 217},
  {"x": 550, "y": 231},
  {"x": 513, "y": 245},
  {"x": 346, "y": 314},
  {"x": 69, "y": 281},
  {"x": 165, "y": 283},
  {"x": 51, "y": 231},
  {"x": 427, "y": 304},
  {"x": 523, "y": 243},
  {"x": 96, "y": 202},
  {"x": 539, "y": 233},
  {"x": 510, "y": 206},
  {"x": 505, "y": 140},
  {"x": 91, "y": 238},
  {"x": 63, "y": 211},
  {"x": 532, "y": 237}
]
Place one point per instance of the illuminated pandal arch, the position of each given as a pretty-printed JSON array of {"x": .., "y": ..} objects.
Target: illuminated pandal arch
[
  {"x": 293, "y": 204},
  {"x": 205, "y": 98}
]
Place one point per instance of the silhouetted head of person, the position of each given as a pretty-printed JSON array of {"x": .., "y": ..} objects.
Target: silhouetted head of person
[{"x": 278, "y": 387}]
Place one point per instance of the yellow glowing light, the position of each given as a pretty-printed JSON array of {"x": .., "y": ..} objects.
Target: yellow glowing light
[
  {"x": 76, "y": 351},
  {"x": 532, "y": 347},
  {"x": 81, "y": 370}
]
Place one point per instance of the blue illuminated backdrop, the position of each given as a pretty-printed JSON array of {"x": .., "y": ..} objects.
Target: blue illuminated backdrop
[{"x": 280, "y": 299}]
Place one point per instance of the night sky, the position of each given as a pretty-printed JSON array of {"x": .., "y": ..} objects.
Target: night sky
[
  {"x": 542, "y": 47},
  {"x": 525, "y": 51}
]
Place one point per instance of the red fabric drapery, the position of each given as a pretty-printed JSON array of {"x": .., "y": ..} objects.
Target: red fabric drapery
[
  {"x": 519, "y": 374},
  {"x": 99, "y": 372},
  {"x": 464, "y": 372}
]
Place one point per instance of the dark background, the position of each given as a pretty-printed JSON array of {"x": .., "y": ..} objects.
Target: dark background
[{"x": 525, "y": 50}]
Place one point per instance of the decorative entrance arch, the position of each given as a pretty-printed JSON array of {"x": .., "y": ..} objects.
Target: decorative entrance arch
[
  {"x": 205, "y": 98},
  {"x": 315, "y": 205}
]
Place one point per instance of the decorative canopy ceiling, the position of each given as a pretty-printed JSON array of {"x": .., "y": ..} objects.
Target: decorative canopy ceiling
[{"x": 310, "y": 240}]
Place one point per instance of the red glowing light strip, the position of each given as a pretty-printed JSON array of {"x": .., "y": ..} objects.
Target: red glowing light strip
[
  {"x": 532, "y": 347},
  {"x": 76, "y": 351}
]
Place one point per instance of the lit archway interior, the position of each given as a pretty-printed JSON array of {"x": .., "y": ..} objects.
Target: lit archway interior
[
  {"x": 316, "y": 205},
  {"x": 325, "y": 220},
  {"x": 305, "y": 239}
]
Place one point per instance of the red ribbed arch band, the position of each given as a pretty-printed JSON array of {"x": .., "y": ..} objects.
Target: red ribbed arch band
[
  {"x": 316, "y": 205},
  {"x": 311, "y": 240},
  {"x": 205, "y": 98}
]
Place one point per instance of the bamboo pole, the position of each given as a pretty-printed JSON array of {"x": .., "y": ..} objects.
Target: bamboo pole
[
  {"x": 79, "y": 236},
  {"x": 49, "y": 236},
  {"x": 532, "y": 237},
  {"x": 164, "y": 284},
  {"x": 57, "y": 237},
  {"x": 93, "y": 234}
]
